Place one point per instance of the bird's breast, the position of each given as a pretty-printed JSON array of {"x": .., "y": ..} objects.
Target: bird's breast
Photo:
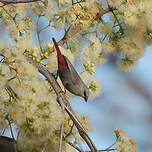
[{"x": 67, "y": 81}]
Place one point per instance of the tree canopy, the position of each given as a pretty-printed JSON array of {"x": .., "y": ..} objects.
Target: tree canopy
[{"x": 92, "y": 30}]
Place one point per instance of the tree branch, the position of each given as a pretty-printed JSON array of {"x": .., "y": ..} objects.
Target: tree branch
[
  {"x": 75, "y": 147},
  {"x": 78, "y": 28},
  {"x": 62, "y": 100},
  {"x": 17, "y": 1},
  {"x": 62, "y": 128}
]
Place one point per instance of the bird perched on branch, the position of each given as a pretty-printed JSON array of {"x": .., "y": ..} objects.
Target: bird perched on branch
[{"x": 69, "y": 77}]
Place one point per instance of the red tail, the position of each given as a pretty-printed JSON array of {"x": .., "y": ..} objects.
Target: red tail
[{"x": 61, "y": 61}]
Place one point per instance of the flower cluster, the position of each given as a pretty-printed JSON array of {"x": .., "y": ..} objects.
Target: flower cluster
[
  {"x": 33, "y": 106},
  {"x": 131, "y": 29},
  {"x": 125, "y": 143},
  {"x": 93, "y": 52},
  {"x": 30, "y": 103},
  {"x": 93, "y": 84},
  {"x": 89, "y": 67},
  {"x": 79, "y": 13}
]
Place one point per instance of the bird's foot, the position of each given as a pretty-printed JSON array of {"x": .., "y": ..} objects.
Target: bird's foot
[
  {"x": 55, "y": 75},
  {"x": 64, "y": 92}
]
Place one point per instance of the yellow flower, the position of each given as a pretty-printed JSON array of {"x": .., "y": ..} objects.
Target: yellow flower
[{"x": 125, "y": 143}]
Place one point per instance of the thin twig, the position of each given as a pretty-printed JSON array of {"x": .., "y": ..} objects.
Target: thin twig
[
  {"x": 78, "y": 28},
  {"x": 62, "y": 128},
  {"x": 38, "y": 33},
  {"x": 40, "y": 30},
  {"x": 61, "y": 137},
  {"x": 121, "y": 29},
  {"x": 3, "y": 132},
  {"x": 75, "y": 147},
  {"x": 13, "y": 18},
  {"x": 14, "y": 141},
  {"x": 62, "y": 99},
  {"x": 69, "y": 133},
  {"x": 9, "y": 122},
  {"x": 6, "y": 2}
]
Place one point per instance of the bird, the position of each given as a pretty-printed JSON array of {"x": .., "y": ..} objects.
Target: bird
[{"x": 68, "y": 75}]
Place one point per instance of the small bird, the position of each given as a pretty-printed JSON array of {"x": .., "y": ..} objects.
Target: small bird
[{"x": 69, "y": 77}]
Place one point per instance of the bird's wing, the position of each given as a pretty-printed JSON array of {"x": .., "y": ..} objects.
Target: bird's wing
[{"x": 74, "y": 75}]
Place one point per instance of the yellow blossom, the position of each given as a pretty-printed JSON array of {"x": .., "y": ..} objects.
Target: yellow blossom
[
  {"x": 125, "y": 143},
  {"x": 92, "y": 53},
  {"x": 125, "y": 65}
]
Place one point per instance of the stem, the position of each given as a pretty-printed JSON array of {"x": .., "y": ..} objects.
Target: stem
[
  {"x": 78, "y": 27},
  {"x": 13, "y": 18},
  {"x": 121, "y": 29},
  {"x": 111, "y": 145},
  {"x": 6, "y": 2},
  {"x": 9, "y": 122},
  {"x": 72, "y": 2},
  {"x": 69, "y": 133},
  {"x": 107, "y": 150},
  {"x": 2, "y": 60},
  {"x": 3, "y": 132},
  {"x": 62, "y": 129},
  {"x": 77, "y": 2},
  {"x": 104, "y": 37},
  {"x": 75, "y": 147},
  {"x": 44, "y": 28},
  {"x": 38, "y": 33}
]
